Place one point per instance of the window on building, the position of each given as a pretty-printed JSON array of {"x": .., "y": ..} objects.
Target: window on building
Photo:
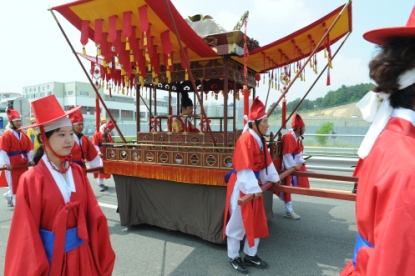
[
  {"x": 126, "y": 114},
  {"x": 114, "y": 113},
  {"x": 42, "y": 94},
  {"x": 70, "y": 92},
  {"x": 49, "y": 93},
  {"x": 84, "y": 93}
]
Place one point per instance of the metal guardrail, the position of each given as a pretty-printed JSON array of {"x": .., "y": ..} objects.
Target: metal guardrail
[{"x": 328, "y": 163}]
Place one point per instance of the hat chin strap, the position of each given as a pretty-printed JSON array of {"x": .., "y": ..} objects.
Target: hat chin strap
[{"x": 62, "y": 158}]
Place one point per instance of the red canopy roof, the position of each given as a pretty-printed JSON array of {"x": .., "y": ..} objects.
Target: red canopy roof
[
  {"x": 158, "y": 18},
  {"x": 301, "y": 43},
  {"x": 120, "y": 23}
]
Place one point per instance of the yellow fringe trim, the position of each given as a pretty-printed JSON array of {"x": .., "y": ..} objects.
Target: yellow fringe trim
[{"x": 170, "y": 173}]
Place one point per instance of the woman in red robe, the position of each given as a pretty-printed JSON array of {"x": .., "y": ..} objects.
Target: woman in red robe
[
  {"x": 385, "y": 202},
  {"x": 57, "y": 227},
  {"x": 252, "y": 165}
]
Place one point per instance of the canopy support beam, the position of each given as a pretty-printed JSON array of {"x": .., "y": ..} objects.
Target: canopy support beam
[
  {"x": 311, "y": 87},
  {"x": 87, "y": 75},
  {"x": 308, "y": 59}
]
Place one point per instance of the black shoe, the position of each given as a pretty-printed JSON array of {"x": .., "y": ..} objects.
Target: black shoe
[
  {"x": 238, "y": 265},
  {"x": 255, "y": 261},
  {"x": 103, "y": 188}
]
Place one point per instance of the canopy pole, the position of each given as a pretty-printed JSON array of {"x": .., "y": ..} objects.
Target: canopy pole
[
  {"x": 311, "y": 87},
  {"x": 188, "y": 68},
  {"x": 137, "y": 105},
  {"x": 308, "y": 59},
  {"x": 87, "y": 75}
]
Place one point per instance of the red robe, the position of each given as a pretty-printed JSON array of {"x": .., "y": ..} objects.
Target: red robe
[
  {"x": 247, "y": 155},
  {"x": 97, "y": 140},
  {"x": 3, "y": 180},
  {"x": 9, "y": 143},
  {"x": 385, "y": 204},
  {"x": 291, "y": 146},
  {"x": 41, "y": 205},
  {"x": 178, "y": 126},
  {"x": 85, "y": 151}
]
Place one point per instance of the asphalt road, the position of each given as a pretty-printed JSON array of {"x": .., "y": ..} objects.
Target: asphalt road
[{"x": 320, "y": 243}]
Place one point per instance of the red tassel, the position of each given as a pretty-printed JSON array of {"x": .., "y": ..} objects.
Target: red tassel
[
  {"x": 328, "y": 76},
  {"x": 284, "y": 113}
]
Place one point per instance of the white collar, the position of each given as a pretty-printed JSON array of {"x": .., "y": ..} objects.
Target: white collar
[
  {"x": 404, "y": 113},
  {"x": 257, "y": 138},
  {"x": 77, "y": 140},
  {"x": 66, "y": 187}
]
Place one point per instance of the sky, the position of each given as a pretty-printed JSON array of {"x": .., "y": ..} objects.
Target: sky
[{"x": 33, "y": 50}]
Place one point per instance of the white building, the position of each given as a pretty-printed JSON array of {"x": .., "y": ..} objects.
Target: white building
[{"x": 121, "y": 107}]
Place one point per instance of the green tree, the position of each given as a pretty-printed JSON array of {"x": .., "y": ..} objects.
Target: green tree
[{"x": 326, "y": 128}]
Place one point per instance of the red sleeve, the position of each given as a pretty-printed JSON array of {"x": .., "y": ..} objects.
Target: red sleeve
[
  {"x": 288, "y": 144},
  {"x": 96, "y": 138},
  {"x": 5, "y": 144},
  {"x": 25, "y": 254},
  {"x": 91, "y": 152}
]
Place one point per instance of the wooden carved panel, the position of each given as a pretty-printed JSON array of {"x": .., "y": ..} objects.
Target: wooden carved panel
[
  {"x": 194, "y": 159},
  {"x": 211, "y": 160},
  {"x": 111, "y": 154},
  {"x": 226, "y": 161},
  {"x": 124, "y": 155},
  {"x": 136, "y": 156},
  {"x": 163, "y": 157},
  {"x": 149, "y": 157}
]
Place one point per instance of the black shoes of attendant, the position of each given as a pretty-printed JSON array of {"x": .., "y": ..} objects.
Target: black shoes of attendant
[
  {"x": 238, "y": 265},
  {"x": 255, "y": 261},
  {"x": 103, "y": 188}
]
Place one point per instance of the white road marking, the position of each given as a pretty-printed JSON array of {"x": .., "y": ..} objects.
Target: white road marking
[{"x": 112, "y": 206}]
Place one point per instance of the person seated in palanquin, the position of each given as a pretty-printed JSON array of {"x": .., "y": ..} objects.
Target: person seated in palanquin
[{"x": 178, "y": 124}]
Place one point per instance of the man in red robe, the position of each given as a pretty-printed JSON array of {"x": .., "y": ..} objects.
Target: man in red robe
[
  {"x": 292, "y": 156},
  {"x": 83, "y": 150},
  {"x": 15, "y": 149},
  {"x": 179, "y": 124},
  {"x": 58, "y": 227},
  {"x": 385, "y": 201},
  {"x": 103, "y": 136},
  {"x": 252, "y": 166}
]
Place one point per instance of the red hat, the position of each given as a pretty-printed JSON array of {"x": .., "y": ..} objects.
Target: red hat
[
  {"x": 53, "y": 112},
  {"x": 383, "y": 35},
  {"x": 13, "y": 114},
  {"x": 297, "y": 121},
  {"x": 110, "y": 125},
  {"x": 76, "y": 117},
  {"x": 204, "y": 120},
  {"x": 257, "y": 110}
]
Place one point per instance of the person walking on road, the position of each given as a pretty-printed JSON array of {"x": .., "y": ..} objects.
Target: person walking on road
[
  {"x": 58, "y": 227},
  {"x": 252, "y": 166}
]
